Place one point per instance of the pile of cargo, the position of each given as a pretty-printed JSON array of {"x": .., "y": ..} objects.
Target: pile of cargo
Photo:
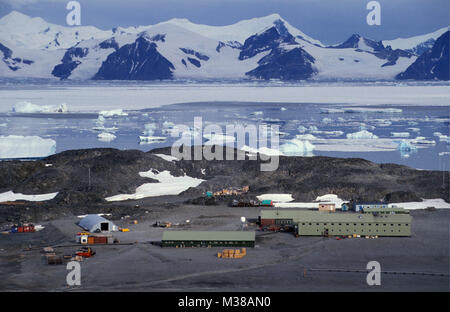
[
  {"x": 53, "y": 258},
  {"x": 25, "y": 228},
  {"x": 232, "y": 253},
  {"x": 85, "y": 238},
  {"x": 231, "y": 191}
]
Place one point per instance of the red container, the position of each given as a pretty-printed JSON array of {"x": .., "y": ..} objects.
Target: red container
[
  {"x": 101, "y": 240},
  {"x": 267, "y": 222},
  {"x": 20, "y": 229}
]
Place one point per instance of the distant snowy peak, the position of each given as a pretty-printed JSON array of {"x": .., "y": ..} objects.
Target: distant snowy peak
[
  {"x": 240, "y": 31},
  {"x": 358, "y": 42},
  {"x": 34, "y": 33},
  {"x": 416, "y": 44}
]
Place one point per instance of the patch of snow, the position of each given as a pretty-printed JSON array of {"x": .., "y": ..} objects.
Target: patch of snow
[
  {"x": 276, "y": 198},
  {"x": 167, "y": 157},
  {"x": 167, "y": 185},
  {"x": 436, "y": 203},
  {"x": 15, "y": 146},
  {"x": 11, "y": 196}
]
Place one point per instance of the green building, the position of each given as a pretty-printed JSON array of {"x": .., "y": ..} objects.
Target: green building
[
  {"x": 208, "y": 239},
  {"x": 319, "y": 223}
]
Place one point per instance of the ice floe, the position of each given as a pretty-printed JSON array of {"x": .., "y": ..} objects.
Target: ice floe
[
  {"x": 353, "y": 110},
  {"x": 167, "y": 185},
  {"x": 106, "y": 137},
  {"x": 442, "y": 137},
  {"x": 151, "y": 139},
  {"x": 15, "y": 146},
  {"x": 421, "y": 141},
  {"x": 30, "y": 108},
  {"x": 11, "y": 196},
  {"x": 400, "y": 134},
  {"x": 112, "y": 113},
  {"x": 363, "y": 134},
  {"x": 218, "y": 139}
]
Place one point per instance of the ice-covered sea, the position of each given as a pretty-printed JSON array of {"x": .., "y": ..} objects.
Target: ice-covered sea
[{"x": 382, "y": 122}]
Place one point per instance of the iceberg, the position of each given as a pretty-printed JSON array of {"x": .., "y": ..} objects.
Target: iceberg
[
  {"x": 297, "y": 147},
  {"x": 302, "y": 129},
  {"x": 168, "y": 124},
  {"x": 30, "y": 108},
  {"x": 149, "y": 129},
  {"x": 15, "y": 146},
  {"x": 106, "y": 137},
  {"x": 406, "y": 148},
  {"x": 363, "y": 134}
]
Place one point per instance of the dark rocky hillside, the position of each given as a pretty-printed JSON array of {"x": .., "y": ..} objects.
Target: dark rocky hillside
[{"x": 113, "y": 172}]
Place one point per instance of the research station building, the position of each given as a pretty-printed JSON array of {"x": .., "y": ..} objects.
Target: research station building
[
  {"x": 320, "y": 223},
  {"x": 208, "y": 239},
  {"x": 94, "y": 223}
]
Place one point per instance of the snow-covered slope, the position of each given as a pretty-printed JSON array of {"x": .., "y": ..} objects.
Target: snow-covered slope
[
  {"x": 240, "y": 31},
  {"x": 23, "y": 31},
  {"x": 259, "y": 48},
  {"x": 416, "y": 44}
]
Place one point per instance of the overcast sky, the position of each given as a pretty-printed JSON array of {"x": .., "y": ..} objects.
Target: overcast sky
[{"x": 330, "y": 21}]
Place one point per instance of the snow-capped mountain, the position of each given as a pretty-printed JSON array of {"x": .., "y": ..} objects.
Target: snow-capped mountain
[
  {"x": 416, "y": 44},
  {"x": 260, "y": 48},
  {"x": 432, "y": 64}
]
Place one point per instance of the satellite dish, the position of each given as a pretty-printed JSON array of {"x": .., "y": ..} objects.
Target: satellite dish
[{"x": 243, "y": 219}]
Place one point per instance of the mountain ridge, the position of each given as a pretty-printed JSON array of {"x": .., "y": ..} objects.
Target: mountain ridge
[{"x": 234, "y": 51}]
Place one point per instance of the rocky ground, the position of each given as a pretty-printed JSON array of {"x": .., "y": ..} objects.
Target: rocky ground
[
  {"x": 84, "y": 178},
  {"x": 279, "y": 261}
]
